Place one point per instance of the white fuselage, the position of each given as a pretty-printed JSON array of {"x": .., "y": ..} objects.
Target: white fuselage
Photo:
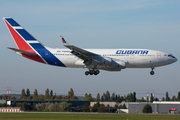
[{"x": 134, "y": 58}]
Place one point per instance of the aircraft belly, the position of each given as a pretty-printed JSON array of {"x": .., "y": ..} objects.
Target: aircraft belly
[
  {"x": 139, "y": 63},
  {"x": 145, "y": 63}
]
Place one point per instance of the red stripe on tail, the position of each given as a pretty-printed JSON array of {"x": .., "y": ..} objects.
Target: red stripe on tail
[{"x": 22, "y": 45}]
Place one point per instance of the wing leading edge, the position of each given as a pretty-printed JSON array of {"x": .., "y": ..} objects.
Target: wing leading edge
[{"x": 80, "y": 53}]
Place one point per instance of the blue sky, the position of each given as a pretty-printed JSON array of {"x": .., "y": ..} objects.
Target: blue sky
[{"x": 147, "y": 24}]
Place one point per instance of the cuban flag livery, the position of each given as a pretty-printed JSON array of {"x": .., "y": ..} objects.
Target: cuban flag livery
[
  {"x": 92, "y": 59},
  {"x": 29, "y": 46}
]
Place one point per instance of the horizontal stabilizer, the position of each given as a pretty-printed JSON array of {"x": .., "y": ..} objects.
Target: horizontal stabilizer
[{"x": 22, "y": 51}]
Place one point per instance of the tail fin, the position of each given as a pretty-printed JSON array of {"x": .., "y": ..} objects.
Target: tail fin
[
  {"x": 28, "y": 45},
  {"x": 21, "y": 37},
  {"x": 24, "y": 40}
]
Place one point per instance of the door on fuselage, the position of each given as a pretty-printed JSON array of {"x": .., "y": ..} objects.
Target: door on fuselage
[
  {"x": 132, "y": 56},
  {"x": 158, "y": 55}
]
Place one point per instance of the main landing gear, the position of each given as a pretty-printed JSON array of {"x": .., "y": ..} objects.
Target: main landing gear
[
  {"x": 91, "y": 72},
  {"x": 152, "y": 72}
]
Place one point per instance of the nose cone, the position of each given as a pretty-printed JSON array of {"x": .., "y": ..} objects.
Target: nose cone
[
  {"x": 171, "y": 59},
  {"x": 175, "y": 59}
]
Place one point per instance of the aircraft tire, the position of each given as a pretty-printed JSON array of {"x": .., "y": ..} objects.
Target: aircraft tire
[
  {"x": 152, "y": 72},
  {"x": 96, "y": 72},
  {"x": 91, "y": 72},
  {"x": 87, "y": 73}
]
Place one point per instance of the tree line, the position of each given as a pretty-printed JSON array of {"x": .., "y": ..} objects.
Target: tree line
[
  {"x": 88, "y": 97},
  {"x": 106, "y": 97},
  {"x": 65, "y": 107},
  {"x": 131, "y": 97},
  {"x": 48, "y": 95}
]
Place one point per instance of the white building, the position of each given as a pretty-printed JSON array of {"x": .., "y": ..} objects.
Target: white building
[
  {"x": 10, "y": 109},
  {"x": 157, "y": 107},
  {"x": 111, "y": 104}
]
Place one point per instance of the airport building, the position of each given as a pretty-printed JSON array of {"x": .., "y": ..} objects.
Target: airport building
[
  {"x": 3, "y": 101},
  {"x": 157, "y": 107},
  {"x": 111, "y": 104},
  {"x": 34, "y": 102}
]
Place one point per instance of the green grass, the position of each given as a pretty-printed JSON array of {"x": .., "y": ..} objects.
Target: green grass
[{"x": 72, "y": 116}]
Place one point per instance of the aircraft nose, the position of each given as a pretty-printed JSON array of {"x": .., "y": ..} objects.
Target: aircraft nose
[{"x": 175, "y": 59}]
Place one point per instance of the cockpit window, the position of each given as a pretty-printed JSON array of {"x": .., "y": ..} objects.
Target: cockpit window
[{"x": 171, "y": 56}]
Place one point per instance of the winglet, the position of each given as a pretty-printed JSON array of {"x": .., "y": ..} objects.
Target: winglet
[{"x": 64, "y": 41}]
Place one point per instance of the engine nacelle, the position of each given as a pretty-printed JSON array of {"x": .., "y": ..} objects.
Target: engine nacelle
[
  {"x": 106, "y": 61},
  {"x": 102, "y": 61},
  {"x": 110, "y": 63},
  {"x": 119, "y": 64}
]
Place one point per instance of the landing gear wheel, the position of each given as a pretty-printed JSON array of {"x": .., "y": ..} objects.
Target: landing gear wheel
[
  {"x": 152, "y": 72},
  {"x": 91, "y": 72},
  {"x": 96, "y": 72},
  {"x": 87, "y": 73}
]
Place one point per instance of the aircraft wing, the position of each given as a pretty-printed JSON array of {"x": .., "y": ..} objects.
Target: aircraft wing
[
  {"x": 22, "y": 51},
  {"x": 81, "y": 53}
]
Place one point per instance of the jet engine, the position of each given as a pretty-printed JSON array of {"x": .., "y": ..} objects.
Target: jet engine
[
  {"x": 110, "y": 63},
  {"x": 118, "y": 64}
]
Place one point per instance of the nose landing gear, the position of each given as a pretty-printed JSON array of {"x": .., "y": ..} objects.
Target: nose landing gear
[
  {"x": 152, "y": 72},
  {"x": 91, "y": 72}
]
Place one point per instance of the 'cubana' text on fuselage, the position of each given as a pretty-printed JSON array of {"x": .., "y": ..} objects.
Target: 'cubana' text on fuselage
[{"x": 132, "y": 52}]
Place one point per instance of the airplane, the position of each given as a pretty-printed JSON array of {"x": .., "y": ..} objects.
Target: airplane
[{"x": 92, "y": 59}]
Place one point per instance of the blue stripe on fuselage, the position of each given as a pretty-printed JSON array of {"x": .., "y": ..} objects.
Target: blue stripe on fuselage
[{"x": 47, "y": 55}]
